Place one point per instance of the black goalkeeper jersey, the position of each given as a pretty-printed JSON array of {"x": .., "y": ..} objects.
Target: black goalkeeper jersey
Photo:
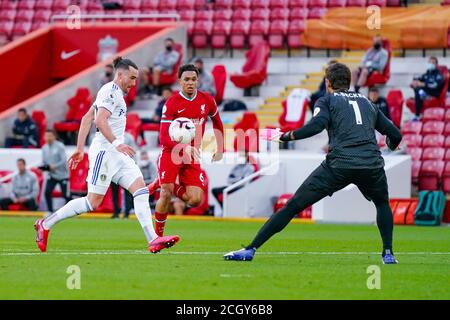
[{"x": 351, "y": 120}]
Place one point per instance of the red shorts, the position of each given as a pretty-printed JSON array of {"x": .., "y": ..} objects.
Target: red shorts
[{"x": 189, "y": 174}]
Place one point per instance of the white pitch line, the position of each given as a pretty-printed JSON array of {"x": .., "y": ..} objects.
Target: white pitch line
[{"x": 144, "y": 252}]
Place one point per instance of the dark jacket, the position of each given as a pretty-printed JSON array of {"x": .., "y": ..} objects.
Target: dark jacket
[
  {"x": 381, "y": 103},
  {"x": 26, "y": 130},
  {"x": 434, "y": 80}
]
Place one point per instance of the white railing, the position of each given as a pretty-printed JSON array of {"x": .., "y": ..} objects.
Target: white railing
[
  {"x": 135, "y": 17},
  {"x": 254, "y": 196}
]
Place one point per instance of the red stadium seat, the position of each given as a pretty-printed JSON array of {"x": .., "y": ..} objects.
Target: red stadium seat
[
  {"x": 9, "y": 5},
  {"x": 433, "y": 114},
  {"x": 447, "y": 155},
  {"x": 414, "y": 127},
  {"x": 433, "y": 127},
  {"x": 241, "y": 14},
  {"x": 247, "y": 133},
  {"x": 150, "y": 4},
  {"x": 24, "y": 16},
  {"x": 412, "y": 140},
  {"x": 225, "y": 14},
  {"x": 204, "y": 15},
  {"x": 40, "y": 120},
  {"x": 356, "y": 3},
  {"x": 415, "y": 170},
  {"x": 5, "y": 31},
  {"x": 186, "y": 5},
  {"x": 376, "y": 77},
  {"x": 38, "y": 25},
  {"x": 258, "y": 32},
  {"x": 4, "y": 173},
  {"x": 317, "y": 3},
  {"x": 298, "y": 3},
  {"x": 433, "y": 140},
  {"x": 42, "y": 16},
  {"x": 289, "y": 125},
  {"x": 220, "y": 78},
  {"x": 393, "y": 3},
  {"x": 78, "y": 176},
  {"x": 447, "y": 129},
  {"x": 78, "y": 106},
  {"x": 430, "y": 174},
  {"x": 254, "y": 71},
  {"x": 279, "y": 14},
  {"x": 299, "y": 13},
  {"x": 26, "y": 4},
  {"x": 187, "y": 15},
  {"x": 238, "y": 34},
  {"x": 223, "y": 4},
  {"x": 415, "y": 153},
  {"x": 395, "y": 102},
  {"x": 167, "y": 5},
  {"x": 131, "y": 4},
  {"x": 43, "y": 5},
  {"x": 201, "y": 33},
  {"x": 317, "y": 13},
  {"x": 241, "y": 4},
  {"x": 202, "y": 5},
  {"x": 379, "y": 3},
  {"x": 20, "y": 29},
  {"x": 432, "y": 101},
  {"x": 337, "y": 3},
  {"x": 166, "y": 78},
  {"x": 446, "y": 178},
  {"x": 277, "y": 33},
  {"x": 40, "y": 178},
  {"x": 260, "y": 14},
  {"x": 256, "y": 4},
  {"x": 433, "y": 154},
  {"x": 61, "y": 5},
  {"x": 447, "y": 115},
  {"x": 295, "y": 29},
  {"x": 278, "y": 4},
  {"x": 7, "y": 15},
  {"x": 134, "y": 124},
  {"x": 220, "y": 33}
]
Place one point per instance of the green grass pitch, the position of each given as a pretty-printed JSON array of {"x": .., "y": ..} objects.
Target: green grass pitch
[{"x": 305, "y": 261}]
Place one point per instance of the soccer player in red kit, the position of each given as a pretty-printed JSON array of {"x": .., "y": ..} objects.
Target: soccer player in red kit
[{"x": 183, "y": 160}]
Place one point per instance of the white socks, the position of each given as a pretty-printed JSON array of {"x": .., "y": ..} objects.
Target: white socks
[
  {"x": 72, "y": 208},
  {"x": 143, "y": 213}
]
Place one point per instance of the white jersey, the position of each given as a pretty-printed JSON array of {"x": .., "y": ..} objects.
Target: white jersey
[{"x": 110, "y": 97}]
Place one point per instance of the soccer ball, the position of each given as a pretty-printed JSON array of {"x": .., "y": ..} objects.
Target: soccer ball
[{"x": 182, "y": 130}]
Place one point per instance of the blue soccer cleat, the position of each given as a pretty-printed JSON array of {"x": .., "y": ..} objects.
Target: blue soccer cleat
[
  {"x": 240, "y": 255},
  {"x": 389, "y": 259}
]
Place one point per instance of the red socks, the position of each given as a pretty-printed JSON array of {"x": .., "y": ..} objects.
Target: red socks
[
  {"x": 179, "y": 191},
  {"x": 160, "y": 222}
]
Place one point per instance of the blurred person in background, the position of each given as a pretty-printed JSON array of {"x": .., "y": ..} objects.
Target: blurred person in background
[
  {"x": 321, "y": 91},
  {"x": 427, "y": 85},
  {"x": 206, "y": 81},
  {"x": 379, "y": 101},
  {"x": 107, "y": 76},
  {"x": 375, "y": 59},
  {"x": 25, "y": 188},
  {"x": 55, "y": 162},
  {"x": 25, "y": 132}
]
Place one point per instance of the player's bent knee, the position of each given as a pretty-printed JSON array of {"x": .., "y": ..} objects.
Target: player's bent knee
[{"x": 195, "y": 201}]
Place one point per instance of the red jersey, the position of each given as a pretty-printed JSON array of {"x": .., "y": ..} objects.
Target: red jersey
[{"x": 197, "y": 109}]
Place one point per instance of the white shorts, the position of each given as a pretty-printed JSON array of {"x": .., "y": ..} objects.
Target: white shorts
[{"x": 110, "y": 165}]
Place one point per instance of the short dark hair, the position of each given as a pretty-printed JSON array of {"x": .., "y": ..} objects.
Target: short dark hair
[
  {"x": 339, "y": 76},
  {"x": 374, "y": 89},
  {"x": 434, "y": 58},
  {"x": 187, "y": 67},
  {"x": 169, "y": 39},
  {"x": 198, "y": 60},
  {"x": 124, "y": 64},
  {"x": 21, "y": 160},
  {"x": 49, "y": 130},
  {"x": 166, "y": 88},
  {"x": 22, "y": 110}
]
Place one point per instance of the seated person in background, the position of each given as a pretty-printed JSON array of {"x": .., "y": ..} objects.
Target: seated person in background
[
  {"x": 428, "y": 84},
  {"x": 239, "y": 172},
  {"x": 55, "y": 162},
  {"x": 25, "y": 132},
  {"x": 206, "y": 81},
  {"x": 25, "y": 188},
  {"x": 164, "y": 62},
  {"x": 107, "y": 76},
  {"x": 375, "y": 59},
  {"x": 166, "y": 94},
  {"x": 321, "y": 91},
  {"x": 379, "y": 101}
]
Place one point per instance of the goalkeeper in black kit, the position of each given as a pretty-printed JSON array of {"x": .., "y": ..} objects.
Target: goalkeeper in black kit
[{"x": 354, "y": 157}]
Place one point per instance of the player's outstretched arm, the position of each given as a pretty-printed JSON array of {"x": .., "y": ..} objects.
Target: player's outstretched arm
[
  {"x": 85, "y": 127},
  {"x": 218, "y": 133},
  {"x": 387, "y": 128},
  {"x": 313, "y": 127}
]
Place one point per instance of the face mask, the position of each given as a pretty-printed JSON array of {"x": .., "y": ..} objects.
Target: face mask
[
  {"x": 108, "y": 74},
  {"x": 377, "y": 45},
  {"x": 169, "y": 48},
  {"x": 431, "y": 66},
  {"x": 143, "y": 163}
]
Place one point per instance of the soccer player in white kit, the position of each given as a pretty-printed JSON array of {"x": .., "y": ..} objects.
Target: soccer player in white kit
[{"x": 109, "y": 160}]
